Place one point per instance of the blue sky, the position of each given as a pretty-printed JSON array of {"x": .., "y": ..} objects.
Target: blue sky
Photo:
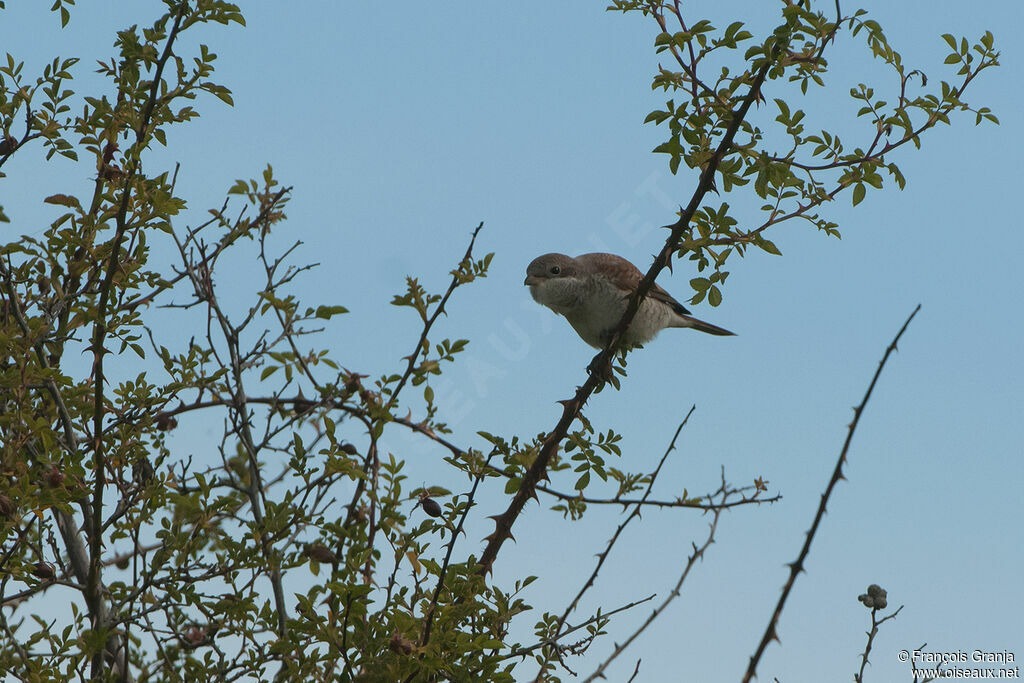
[{"x": 402, "y": 127}]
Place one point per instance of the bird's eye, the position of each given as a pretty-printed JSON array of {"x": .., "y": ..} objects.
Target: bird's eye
[{"x": 555, "y": 270}]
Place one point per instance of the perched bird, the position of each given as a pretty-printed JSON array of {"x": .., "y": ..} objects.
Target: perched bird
[{"x": 592, "y": 291}]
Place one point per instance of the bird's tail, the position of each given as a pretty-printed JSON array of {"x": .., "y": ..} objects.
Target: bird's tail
[{"x": 690, "y": 321}]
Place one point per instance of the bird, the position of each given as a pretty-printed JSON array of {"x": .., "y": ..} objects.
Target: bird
[{"x": 592, "y": 291}]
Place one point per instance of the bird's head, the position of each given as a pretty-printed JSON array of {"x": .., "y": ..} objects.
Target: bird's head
[{"x": 549, "y": 267}]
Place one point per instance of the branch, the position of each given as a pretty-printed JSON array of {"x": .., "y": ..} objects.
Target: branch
[
  {"x": 875, "y": 623},
  {"x": 456, "y": 281},
  {"x": 696, "y": 554},
  {"x": 618, "y": 532},
  {"x": 94, "y": 589},
  {"x": 797, "y": 566},
  {"x": 432, "y": 607},
  {"x": 573, "y": 406},
  {"x": 523, "y": 651},
  {"x": 230, "y": 239}
]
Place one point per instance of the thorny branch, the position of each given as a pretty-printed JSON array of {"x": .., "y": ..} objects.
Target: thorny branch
[
  {"x": 305, "y": 405},
  {"x": 875, "y": 623},
  {"x": 797, "y": 566},
  {"x": 603, "y": 556},
  {"x": 573, "y": 406},
  {"x": 697, "y": 553}
]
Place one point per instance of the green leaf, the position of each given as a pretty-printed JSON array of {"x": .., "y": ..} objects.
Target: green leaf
[
  {"x": 858, "y": 193},
  {"x": 63, "y": 200},
  {"x": 769, "y": 246},
  {"x": 714, "y": 296},
  {"x": 326, "y": 312}
]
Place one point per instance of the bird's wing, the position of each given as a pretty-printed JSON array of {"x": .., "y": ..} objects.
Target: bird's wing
[
  {"x": 628, "y": 277},
  {"x": 659, "y": 294}
]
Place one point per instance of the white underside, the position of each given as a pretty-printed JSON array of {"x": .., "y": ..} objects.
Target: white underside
[{"x": 594, "y": 307}]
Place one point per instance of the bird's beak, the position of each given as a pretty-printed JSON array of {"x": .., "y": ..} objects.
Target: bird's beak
[{"x": 531, "y": 280}]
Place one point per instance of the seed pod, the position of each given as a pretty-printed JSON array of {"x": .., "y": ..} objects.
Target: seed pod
[
  {"x": 44, "y": 571},
  {"x": 431, "y": 507},
  {"x": 165, "y": 422},
  {"x": 320, "y": 553}
]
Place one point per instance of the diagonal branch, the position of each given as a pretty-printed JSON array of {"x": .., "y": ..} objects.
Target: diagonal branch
[
  {"x": 573, "y": 406},
  {"x": 456, "y": 281},
  {"x": 602, "y": 556},
  {"x": 697, "y": 553},
  {"x": 428, "y": 618},
  {"x": 797, "y": 566}
]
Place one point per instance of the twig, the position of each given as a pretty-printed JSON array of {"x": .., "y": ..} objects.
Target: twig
[
  {"x": 875, "y": 623},
  {"x": 618, "y": 532},
  {"x": 428, "y": 618},
  {"x": 523, "y": 651},
  {"x": 696, "y": 554},
  {"x": 456, "y": 281},
  {"x": 306, "y": 404}
]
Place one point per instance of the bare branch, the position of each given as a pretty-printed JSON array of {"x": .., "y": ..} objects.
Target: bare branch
[{"x": 797, "y": 566}]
